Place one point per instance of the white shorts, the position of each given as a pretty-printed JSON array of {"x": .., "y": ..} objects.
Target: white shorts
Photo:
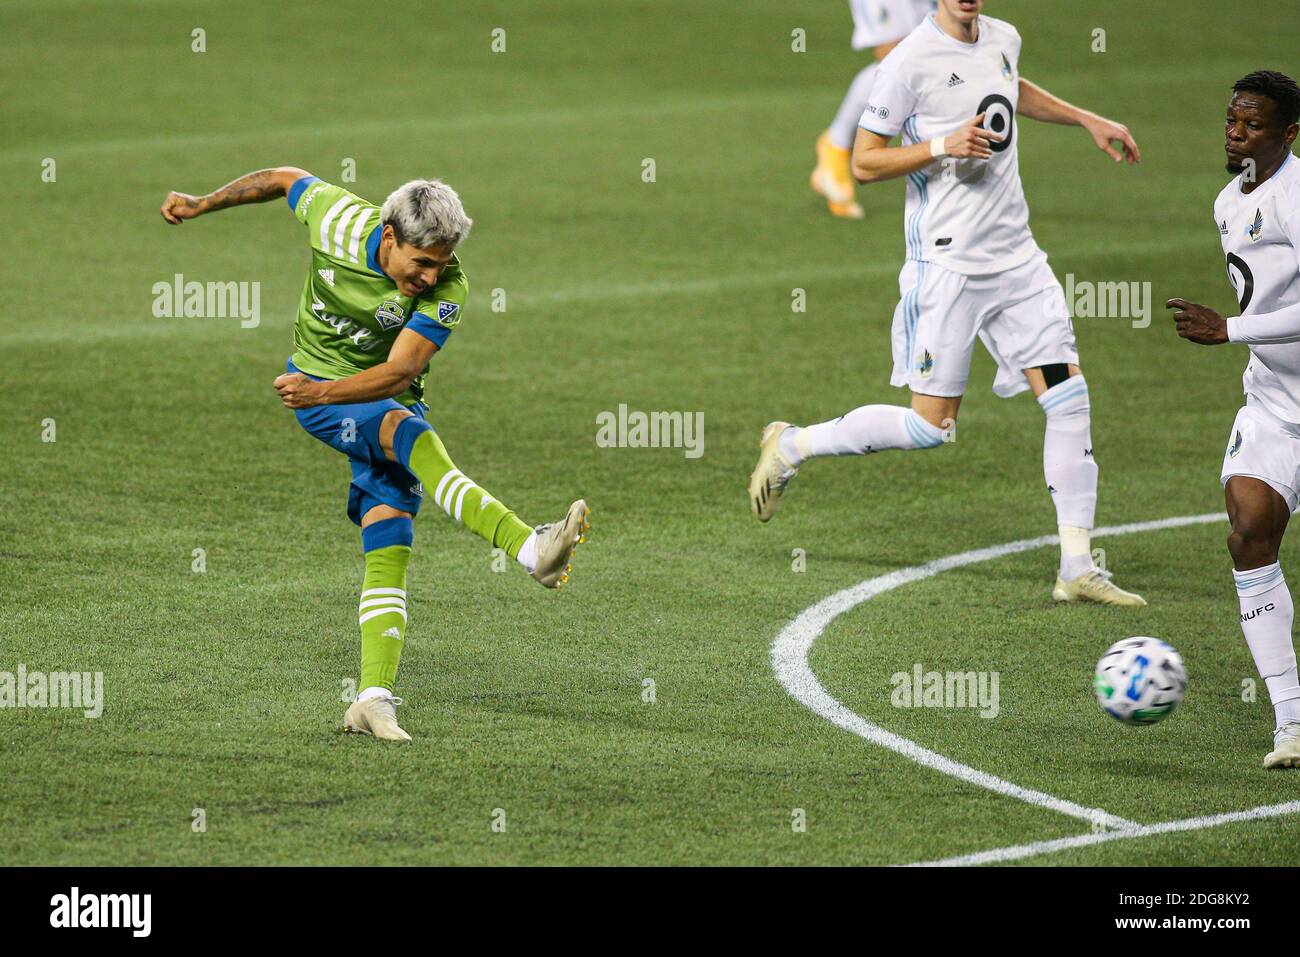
[
  {"x": 1264, "y": 447},
  {"x": 1019, "y": 314},
  {"x": 886, "y": 21}
]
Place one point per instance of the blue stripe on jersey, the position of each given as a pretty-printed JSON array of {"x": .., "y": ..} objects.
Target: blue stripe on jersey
[
  {"x": 295, "y": 191},
  {"x": 435, "y": 332},
  {"x": 915, "y": 248}
]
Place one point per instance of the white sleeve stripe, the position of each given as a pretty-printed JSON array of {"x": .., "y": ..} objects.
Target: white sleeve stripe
[
  {"x": 329, "y": 218},
  {"x": 355, "y": 244},
  {"x": 342, "y": 228}
]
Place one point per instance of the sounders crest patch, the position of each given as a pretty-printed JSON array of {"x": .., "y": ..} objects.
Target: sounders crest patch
[{"x": 390, "y": 315}]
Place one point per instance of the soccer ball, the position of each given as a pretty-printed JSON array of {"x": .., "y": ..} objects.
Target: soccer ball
[{"x": 1140, "y": 680}]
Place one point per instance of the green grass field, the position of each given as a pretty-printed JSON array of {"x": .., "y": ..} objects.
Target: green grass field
[{"x": 223, "y": 688}]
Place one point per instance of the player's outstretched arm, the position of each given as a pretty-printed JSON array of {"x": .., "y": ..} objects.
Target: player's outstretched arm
[
  {"x": 258, "y": 187},
  {"x": 875, "y": 160},
  {"x": 1037, "y": 104},
  {"x": 411, "y": 352}
]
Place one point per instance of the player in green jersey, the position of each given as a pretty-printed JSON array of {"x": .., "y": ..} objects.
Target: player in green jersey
[{"x": 384, "y": 293}]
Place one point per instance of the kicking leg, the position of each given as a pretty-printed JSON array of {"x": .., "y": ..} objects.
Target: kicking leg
[
  {"x": 545, "y": 551},
  {"x": 867, "y": 429},
  {"x": 1071, "y": 475},
  {"x": 1259, "y": 517},
  {"x": 386, "y": 537}
]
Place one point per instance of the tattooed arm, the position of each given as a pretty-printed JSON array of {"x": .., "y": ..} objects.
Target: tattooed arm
[{"x": 259, "y": 187}]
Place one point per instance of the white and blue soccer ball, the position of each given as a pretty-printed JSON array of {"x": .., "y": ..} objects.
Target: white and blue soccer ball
[{"x": 1140, "y": 680}]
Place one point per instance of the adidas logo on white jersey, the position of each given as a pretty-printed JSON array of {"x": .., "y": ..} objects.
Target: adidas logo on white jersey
[
  {"x": 955, "y": 80},
  {"x": 327, "y": 275}
]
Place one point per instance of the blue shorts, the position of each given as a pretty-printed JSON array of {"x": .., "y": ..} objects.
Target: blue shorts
[{"x": 354, "y": 431}]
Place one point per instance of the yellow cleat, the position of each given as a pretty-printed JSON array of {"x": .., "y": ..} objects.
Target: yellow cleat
[
  {"x": 832, "y": 180},
  {"x": 1095, "y": 586},
  {"x": 377, "y": 717},
  {"x": 771, "y": 475},
  {"x": 556, "y": 544},
  {"x": 1286, "y": 747}
]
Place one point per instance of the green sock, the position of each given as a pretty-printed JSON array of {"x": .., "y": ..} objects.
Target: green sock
[
  {"x": 464, "y": 501},
  {"x": 383, "y": 615}
]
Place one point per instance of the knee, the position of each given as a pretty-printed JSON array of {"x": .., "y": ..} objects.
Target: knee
[
  {"x": 1252, "y": 544},
  {"x": 388, "y": 428}
]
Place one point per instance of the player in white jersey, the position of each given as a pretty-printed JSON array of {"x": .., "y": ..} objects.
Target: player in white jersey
[
  {"x": 879, "y": 25},
  {"x": 953, "y": 89},
  {"x": 1258, "y": 218}
]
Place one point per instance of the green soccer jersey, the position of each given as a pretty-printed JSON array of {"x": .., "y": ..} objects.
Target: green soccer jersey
[{"x": 350, "y": 311}]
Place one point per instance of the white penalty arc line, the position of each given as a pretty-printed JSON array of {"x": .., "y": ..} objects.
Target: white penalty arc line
[
  {"x": 1001, "y": 854},
  {"x": 790, "y": 663}
]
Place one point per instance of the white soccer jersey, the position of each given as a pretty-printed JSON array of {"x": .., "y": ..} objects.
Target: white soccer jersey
[
  {"x": 876, "y": 22},
  {"x": 1260, "y": 232},
  {"x": 967, "y": 215}
]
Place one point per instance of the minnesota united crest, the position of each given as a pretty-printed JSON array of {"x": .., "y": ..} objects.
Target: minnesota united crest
[
  {"x": 1257, "y": 227},
  {"x": 926, "y": 365},
  {"x": 1235, "y": 447},
  {"x": 1007, "y": 72},
  {"x": 390, "y": 315}
]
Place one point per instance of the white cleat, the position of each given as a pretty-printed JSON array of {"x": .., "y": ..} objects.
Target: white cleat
[
  {"x": 1286, "y": 747},
  {"x": 771, "y": 475},
  {"x": 377, "y": 717},
  {"x": 1095, "y": 586},
  {"x": 556, "y": 543}
]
